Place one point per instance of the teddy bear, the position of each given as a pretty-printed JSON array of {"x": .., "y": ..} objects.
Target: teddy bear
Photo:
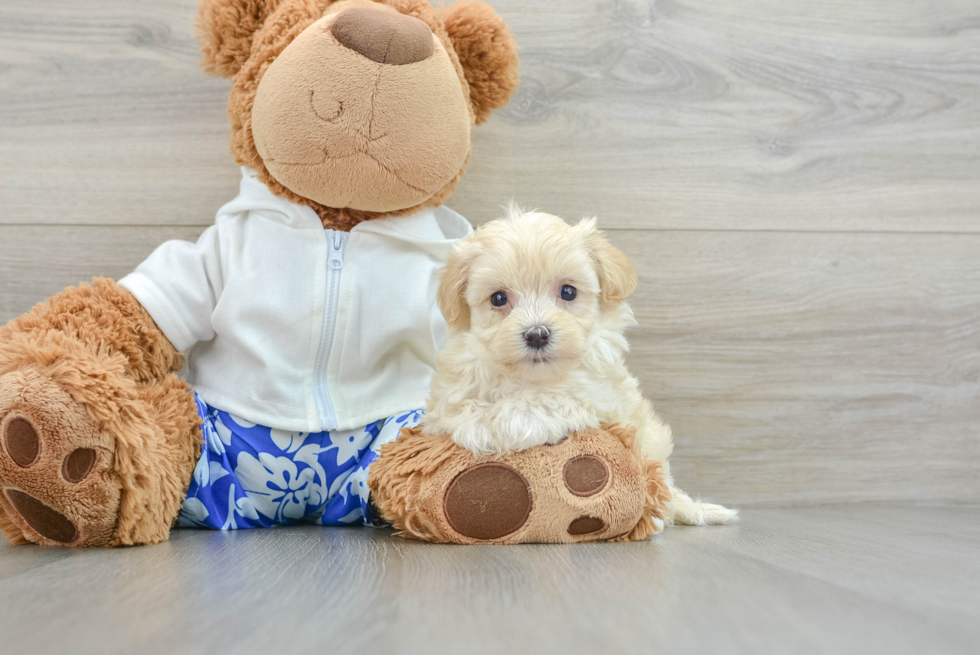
[{"x": 251, "y": 379}]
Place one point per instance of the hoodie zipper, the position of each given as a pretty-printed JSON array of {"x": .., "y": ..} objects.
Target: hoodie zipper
[{"x": 336, "y": 242}]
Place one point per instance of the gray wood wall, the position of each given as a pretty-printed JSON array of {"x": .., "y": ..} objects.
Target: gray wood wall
[{"x": 798, "y": 184}]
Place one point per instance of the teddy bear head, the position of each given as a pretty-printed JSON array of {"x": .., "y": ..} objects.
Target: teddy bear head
[{"x": 357, "y": 108}]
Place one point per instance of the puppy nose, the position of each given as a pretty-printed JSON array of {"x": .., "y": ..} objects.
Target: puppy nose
[
  {"x": 537, "y": 337},
  {"x": 386, "y": 37}
]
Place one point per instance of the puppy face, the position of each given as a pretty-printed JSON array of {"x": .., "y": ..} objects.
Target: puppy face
[{"x": 531, "y": 289}]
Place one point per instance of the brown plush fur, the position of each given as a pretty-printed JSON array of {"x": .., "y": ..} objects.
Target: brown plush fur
[
  {"x": 657, "y": 490},
  {"x": 155, "y": 462},
  {"x": 487, "y": 52},
  {"x": 226, "y": 28},
  {"x": 410, "y": 478},
  {"x": 227, "y": 51},
  {"x": 399, "y": 481},
  {"x": 89, "y": 368},
  {"x": 102, "y": 315},
  {"x": 338, "y": 128}
]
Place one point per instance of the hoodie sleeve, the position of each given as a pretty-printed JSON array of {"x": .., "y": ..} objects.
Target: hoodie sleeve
[{"x": 179, "y": 285}]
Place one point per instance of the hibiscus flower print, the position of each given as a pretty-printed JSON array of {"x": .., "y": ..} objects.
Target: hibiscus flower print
[
  {"x": 288, "y": 442},
  {"x": 275, "y": 485},
  {"x": 348, "y": 444}
]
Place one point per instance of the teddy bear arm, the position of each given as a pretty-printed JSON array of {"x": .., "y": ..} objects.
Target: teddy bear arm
[{"x": 102, "y": 317}]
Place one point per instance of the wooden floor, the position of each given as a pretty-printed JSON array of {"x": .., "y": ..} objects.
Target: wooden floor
[
  {"x": 797, "y": 183},
  {"x": 856, "y": 579}
]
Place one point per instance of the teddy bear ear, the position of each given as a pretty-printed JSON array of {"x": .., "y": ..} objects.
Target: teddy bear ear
[
  {"x": 225, "y": 28},
  {"x": 487, "y": 52}
]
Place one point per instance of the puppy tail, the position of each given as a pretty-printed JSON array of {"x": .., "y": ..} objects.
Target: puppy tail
[{"x": 687, "y": 511}]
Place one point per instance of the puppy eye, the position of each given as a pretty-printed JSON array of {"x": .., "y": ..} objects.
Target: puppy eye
[
  {"x": 499, "y": 299},
  {"x": 568, "y": 292}
]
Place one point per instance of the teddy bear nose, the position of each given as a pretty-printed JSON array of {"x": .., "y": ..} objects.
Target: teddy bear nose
[{"x": 386, "y": 37}]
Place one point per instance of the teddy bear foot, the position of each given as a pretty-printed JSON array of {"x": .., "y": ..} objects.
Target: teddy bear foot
[
  {"x": 589, "y": 487},
  {"x": 57, "y": 486}
]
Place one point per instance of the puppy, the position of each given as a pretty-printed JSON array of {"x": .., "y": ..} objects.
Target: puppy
[{"x": 536, "y": 350}]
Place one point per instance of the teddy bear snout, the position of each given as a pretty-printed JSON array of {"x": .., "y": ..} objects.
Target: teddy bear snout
[
  {"x": 338, "y": 119},
  {"x": 383, "y": 36}
]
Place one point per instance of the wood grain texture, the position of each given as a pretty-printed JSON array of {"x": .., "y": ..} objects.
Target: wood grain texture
[
  {"x": 685, "y": 114},
  {"x": 863, "y": 579},
  {"x": 106, "y": 118},
  {"x": 794, "y": 368},
  {"x": 803, "y": 368},
  {"x": 762, "y": 114},
  {"x": 38, "y": 262}
]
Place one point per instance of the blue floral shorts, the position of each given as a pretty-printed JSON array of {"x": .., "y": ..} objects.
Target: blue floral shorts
[{"x": 249, "y": 476}]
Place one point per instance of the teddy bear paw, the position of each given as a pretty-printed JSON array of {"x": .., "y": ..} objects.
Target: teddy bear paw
[
  {"x": 56, "y": 480},
  {"x": 590, "y": 486},
  {"x": 491, "y": 500}
]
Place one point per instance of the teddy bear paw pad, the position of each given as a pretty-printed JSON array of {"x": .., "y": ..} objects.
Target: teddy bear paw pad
[
  {"x": 47, "y": 522},
  {"x": 585, "y": 525},
  {"x": 22, "y": 442},
  {"x": 78, "y": 464},
  {"x": 585, "y": 475},
  {"x": 488, "y": 501}
]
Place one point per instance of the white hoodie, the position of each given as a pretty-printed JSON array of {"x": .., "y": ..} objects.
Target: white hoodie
[{"x": 298, "y": 328}]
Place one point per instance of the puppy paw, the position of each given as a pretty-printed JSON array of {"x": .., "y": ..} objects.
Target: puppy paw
[{"x": 687, "y": 511}]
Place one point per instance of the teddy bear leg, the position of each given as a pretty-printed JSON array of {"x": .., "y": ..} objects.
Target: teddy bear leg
[
  {"x": 97, "y": 434},
  {"x": 156, "y": 466},
  {"x": 65, "y": 480},
  {"x": 588, "y": 487}
]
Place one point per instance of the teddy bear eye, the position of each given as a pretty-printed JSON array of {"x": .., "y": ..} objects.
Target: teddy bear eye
[
  {"x": 568, "y": 292},
  {"x": 498, "y": 299}
]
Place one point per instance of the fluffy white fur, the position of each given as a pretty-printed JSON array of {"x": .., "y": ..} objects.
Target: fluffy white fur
[{"x": 493, "y": 393}]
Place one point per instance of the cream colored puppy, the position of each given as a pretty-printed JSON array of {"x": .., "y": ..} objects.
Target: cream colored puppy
[{"x": 537, "y": 316}]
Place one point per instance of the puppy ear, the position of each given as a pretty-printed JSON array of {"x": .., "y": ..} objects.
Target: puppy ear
[
  {"x": 488, "y": 53},
  {"x": 617, "y": 277},
  {"x": 451, "y": 295},
  {"x": 225, "y": 28}
]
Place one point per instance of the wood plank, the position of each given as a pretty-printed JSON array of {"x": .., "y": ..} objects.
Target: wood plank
[
  {"x": 706, "y": 590},
  {"x": 913, "y": 548},
  {"x": 795, "y": 368},
  {"x": 808, "y": 368},
  {"x": 38, "y": 262},
  {"x": 17, "y": 561},
  {"x": 687, "y": 114},
  {"x": 106, "y": 118},
  {"x": 760, "y": 114}
]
